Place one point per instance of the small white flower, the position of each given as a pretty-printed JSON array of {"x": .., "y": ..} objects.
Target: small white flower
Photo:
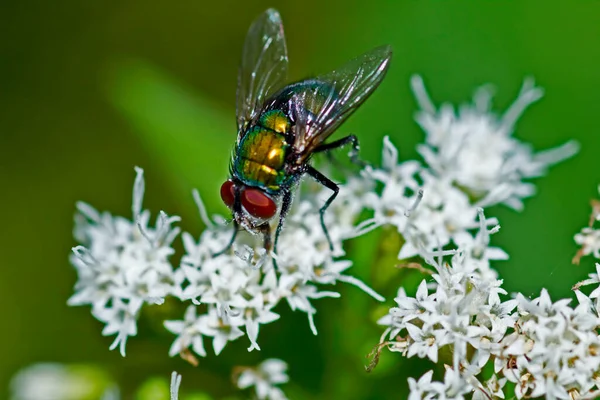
[
  {"x": 253, "y": 313},
  {"x": 224, "y": 286},
  {"x": 589, "y": 237},
  {"x": 453, "y": 387},
  {"x": 298, "y": 295},
  {"x": 264, "y": 377},
  {"x": 493, "y": 387},
  {"x": 120, "y": 318},
  {"x": 188, "y": 333},
  {"x": 424, "y": 341},
  {"x": 420, "y": 389},
  {"x": 221, "y": 328},
  {"x": 589, "y": 240}
]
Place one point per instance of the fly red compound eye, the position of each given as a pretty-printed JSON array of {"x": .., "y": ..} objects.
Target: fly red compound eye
[
  {"x": 258, "y": 204},
  {"x": 228, "y": 193}
]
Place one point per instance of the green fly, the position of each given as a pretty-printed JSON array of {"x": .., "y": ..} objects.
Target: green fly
[{"x": 280, "y": 127}]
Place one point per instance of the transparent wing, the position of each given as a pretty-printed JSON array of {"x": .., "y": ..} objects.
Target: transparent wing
[
  {"x": 335, "y": 96},
  {"x": 264, "y": 65}
]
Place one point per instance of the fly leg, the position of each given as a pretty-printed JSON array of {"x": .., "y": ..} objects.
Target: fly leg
[
  {"x": 328, "y": 183},
  {"x": 235, "y": 232},
  {"x": 265, "y": 229},
  {"x": 285, "y": 207},
  {"x": 350, "y": 139}
]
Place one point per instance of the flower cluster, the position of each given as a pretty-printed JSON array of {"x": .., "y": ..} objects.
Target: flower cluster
[
  {"x": 471, "y": 161},
  {"x": 122, "y": 264},
  {"x": 546, "y": 349},
  {"x": 240, "y": 288},
  {"x": 542, "y": 348}
]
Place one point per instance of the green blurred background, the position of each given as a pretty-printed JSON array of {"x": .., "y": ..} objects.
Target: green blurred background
[{"x": 88, "y": 89}]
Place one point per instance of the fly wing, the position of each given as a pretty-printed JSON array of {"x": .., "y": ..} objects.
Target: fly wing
[
  {"x": 335, "y": 96},
  {"x": 264, "y": 66}
]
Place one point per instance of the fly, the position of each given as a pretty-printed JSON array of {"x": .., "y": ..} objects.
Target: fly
[{"x": 280, "y": 127}]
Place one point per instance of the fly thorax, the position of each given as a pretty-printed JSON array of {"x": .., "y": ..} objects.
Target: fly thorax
[
  {"x": 262, "y": 152},
  {"x": 275, "y": 120}
]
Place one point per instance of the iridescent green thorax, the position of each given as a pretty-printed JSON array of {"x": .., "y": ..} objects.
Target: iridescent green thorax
[{"x": 259, "y": 159}]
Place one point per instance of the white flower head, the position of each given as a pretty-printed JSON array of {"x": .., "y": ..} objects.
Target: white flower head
[
  {"x": 474, "y": 148},
  {"x": 242, "y": 285},
  {"x": 122, "y": 264}
]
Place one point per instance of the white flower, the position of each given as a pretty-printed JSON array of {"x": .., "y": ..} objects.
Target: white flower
[
  {"x": 493, "y": 387},
  {"x": 225, "y": 284},
  {"x": 253, "y": 313},
  {"x": 120, "y": 318},
  {"x": 264, "y": 377},
  {"x": 425, "y": 341},
  {"x": 594, "y": 279},
  {"x": 221, "y": 328},
  {"x": 453, "y": 387},
  {"x": 298, "y": 295},
  {"x": 419, "y": 389},
  {"x": 123, "y": 264},
  {"x": 188, "y": 333},
  {"x": 471, "y": 161},
  {"x": 53, "y": 381},
  {"x": 589, "y": 240}
]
